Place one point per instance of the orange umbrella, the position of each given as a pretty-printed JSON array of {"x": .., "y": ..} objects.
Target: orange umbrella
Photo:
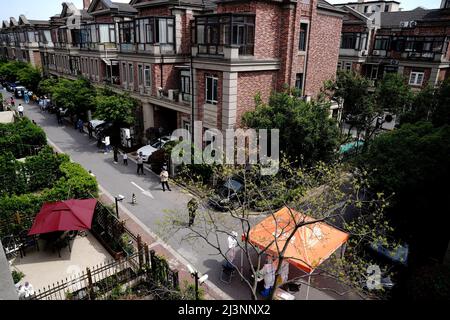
[{"x": 311, "y": 244}]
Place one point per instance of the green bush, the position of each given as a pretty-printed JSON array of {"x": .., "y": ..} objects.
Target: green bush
[
  {"x": 74, "y": 183},
  {"x": 17, "y": 276},
  {"x": 21, "y": 138}
]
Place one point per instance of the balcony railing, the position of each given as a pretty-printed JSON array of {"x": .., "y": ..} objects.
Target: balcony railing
[{"x": 148, "y": 48}]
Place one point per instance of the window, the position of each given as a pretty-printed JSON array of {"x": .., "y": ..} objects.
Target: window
[
  {"x": 211, "y": 89},
  {"x": 348, "y": 66},
  {"x": 386, "y": 8},
  {"x": 126, "y": 34},
  {"x": 187, "y": 125},
  {"x": 382, "y": 43},
  {"x": 366, "y": 9},
  {"x": 141, "y": 75},
  {"x": 130, "y": 73},
  {"x": 416, "y": 78},
  {"x": 185, "y": 85},
  {"x": 299, "y": 82},
  {"x": 303, "y": 36},
  {"x": 339, "y": 65},
  {"x": 211, "y": 33},
  {"x": 124, "y": 72},
  {"x": 147, "y": 76}
]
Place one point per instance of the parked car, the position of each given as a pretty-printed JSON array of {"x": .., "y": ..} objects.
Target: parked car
[
  {"x": 102, "y": 127},
  {"x": 19, "y": 92},
  {"x": 10, "y": 86},
  {"x": 156, "y": 145},
  {"x": 227, "y": 195}
]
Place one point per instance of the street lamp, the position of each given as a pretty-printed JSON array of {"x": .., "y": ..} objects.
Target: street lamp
[
  {"x": 119, "y": 198},
  {"x": 198, "y": 280}
]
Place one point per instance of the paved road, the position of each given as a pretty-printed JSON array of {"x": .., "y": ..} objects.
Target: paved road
[{"x": 151, "y": 209}]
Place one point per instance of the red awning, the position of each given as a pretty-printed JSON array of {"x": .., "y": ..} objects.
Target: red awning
[{"x": 64, "y": 216}]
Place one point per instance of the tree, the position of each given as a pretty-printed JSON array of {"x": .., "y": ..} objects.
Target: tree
[
  {"x": 119, "y": 109},
  {"x": 46, "y": 86},
  {"x": 441, "y": 116},
  {"x": 75, "y": 95},
  {"x": 423, "y": 106},
  {"x": 322, "y": 198},
  {"x": 29, "y": 77},
  {"x": 307, "y": 131},
  {"x": 360, "y": 109},
  {"x": 414, "y": 163},
  {"x": 393, "y": 94}
]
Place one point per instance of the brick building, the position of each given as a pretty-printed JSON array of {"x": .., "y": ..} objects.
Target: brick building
[
  {"x": 210, "y": 58},
  {"x": 412, "y": 43}
]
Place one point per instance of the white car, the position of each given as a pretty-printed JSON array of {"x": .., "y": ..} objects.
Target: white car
[{"x": 148, "y": 150}]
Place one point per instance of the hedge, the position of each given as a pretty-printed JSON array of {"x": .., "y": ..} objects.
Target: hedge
[
  {"x": 21, "y": 138},
  {"x": 36, "y": 173},
  {"x": 75, "y": 182}
]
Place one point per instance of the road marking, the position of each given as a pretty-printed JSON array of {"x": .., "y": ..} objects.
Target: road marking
[{"x": 144, "y": 192}]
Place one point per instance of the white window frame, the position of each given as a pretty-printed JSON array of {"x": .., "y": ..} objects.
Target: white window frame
[
  {"x": 147, "y": 70},
  {"x": 214, "y": 80},
  {"x": 348, "y": 64},
  {"x": 414, "y": 78}
]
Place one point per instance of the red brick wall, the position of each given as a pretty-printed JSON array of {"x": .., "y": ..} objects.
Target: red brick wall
[
  {"x": 186, "y": 32},
  {"x": 158, "y": 11},
  {"x": 267, "y": 22},
  {"x": 323, "y": 51},
  {"x": 37, "y": 59},
  {"x": 249, "y": 84},
  {"x": 106, "y": 18},
  {"x": 427, "y": 73},
  {"x": 170, "y": 77},
  {"x": 201, "y": 82}
]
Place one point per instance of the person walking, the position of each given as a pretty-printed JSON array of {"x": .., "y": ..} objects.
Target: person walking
[
  {"x": 13, "y": 104},
  {"x": 165, "y": 179},
  {"x": 125, "y": 159},
  {"x": 107, "y": 144},
  {"x": 20, "y": 110},
  {"x": 192, "y": 207},
  {"x": 140, "y": 164},
  {"x": 81, "y": 126},
  {"x": 89, "y": 127}
]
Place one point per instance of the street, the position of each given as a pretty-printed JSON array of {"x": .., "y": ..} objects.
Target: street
[{"x": 152, "y": 202}]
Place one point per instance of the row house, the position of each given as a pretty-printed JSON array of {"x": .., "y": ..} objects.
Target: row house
[
  {"x": 207, "y": 60},
  {"x": 412, "y": 43},
  {"x": 19, "y": 40},
  {"x": 187, "y": 60}
]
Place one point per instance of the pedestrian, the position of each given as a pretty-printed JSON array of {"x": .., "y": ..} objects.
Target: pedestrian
[
  {"x": 268, "y": 272},
  {"x": 140, "y": 164},
  {"x": 59, "y": 116},
  {"x": 81, "y": 126},
  {"x": 89, "y": 126},
  {"x": 232, "y": 248},
  {"x": 165, "y": 179},
  {"x": 192, "y": 207},
  {"x": 26, "y": 97},
  {"x": 107, "y": 144},
  {"x": 116, "y": 155},
  {"x": 13, "y": 104},
  {"x": 20, "y": 109},
  {"x": 125, "y": 159}
]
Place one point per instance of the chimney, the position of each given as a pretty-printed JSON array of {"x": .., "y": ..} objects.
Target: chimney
[{"x": 86, "y": 4}]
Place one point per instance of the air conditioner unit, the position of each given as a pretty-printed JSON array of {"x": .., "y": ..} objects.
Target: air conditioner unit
[
  {"x": 404, "y": 24},
  {"x": 364, "y": 53},
  {"x": 172, "y": 94},
  {"x": 412, "y": 24},
  {"x": 376, "y": 52}
]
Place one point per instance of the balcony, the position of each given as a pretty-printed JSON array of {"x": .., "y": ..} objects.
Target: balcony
[
  {"x": 227, "y": 35},
  {"x": 98, "y": 46},
  {"x": 353, "y": 53},
  {"x": 147, "y": 48}
]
